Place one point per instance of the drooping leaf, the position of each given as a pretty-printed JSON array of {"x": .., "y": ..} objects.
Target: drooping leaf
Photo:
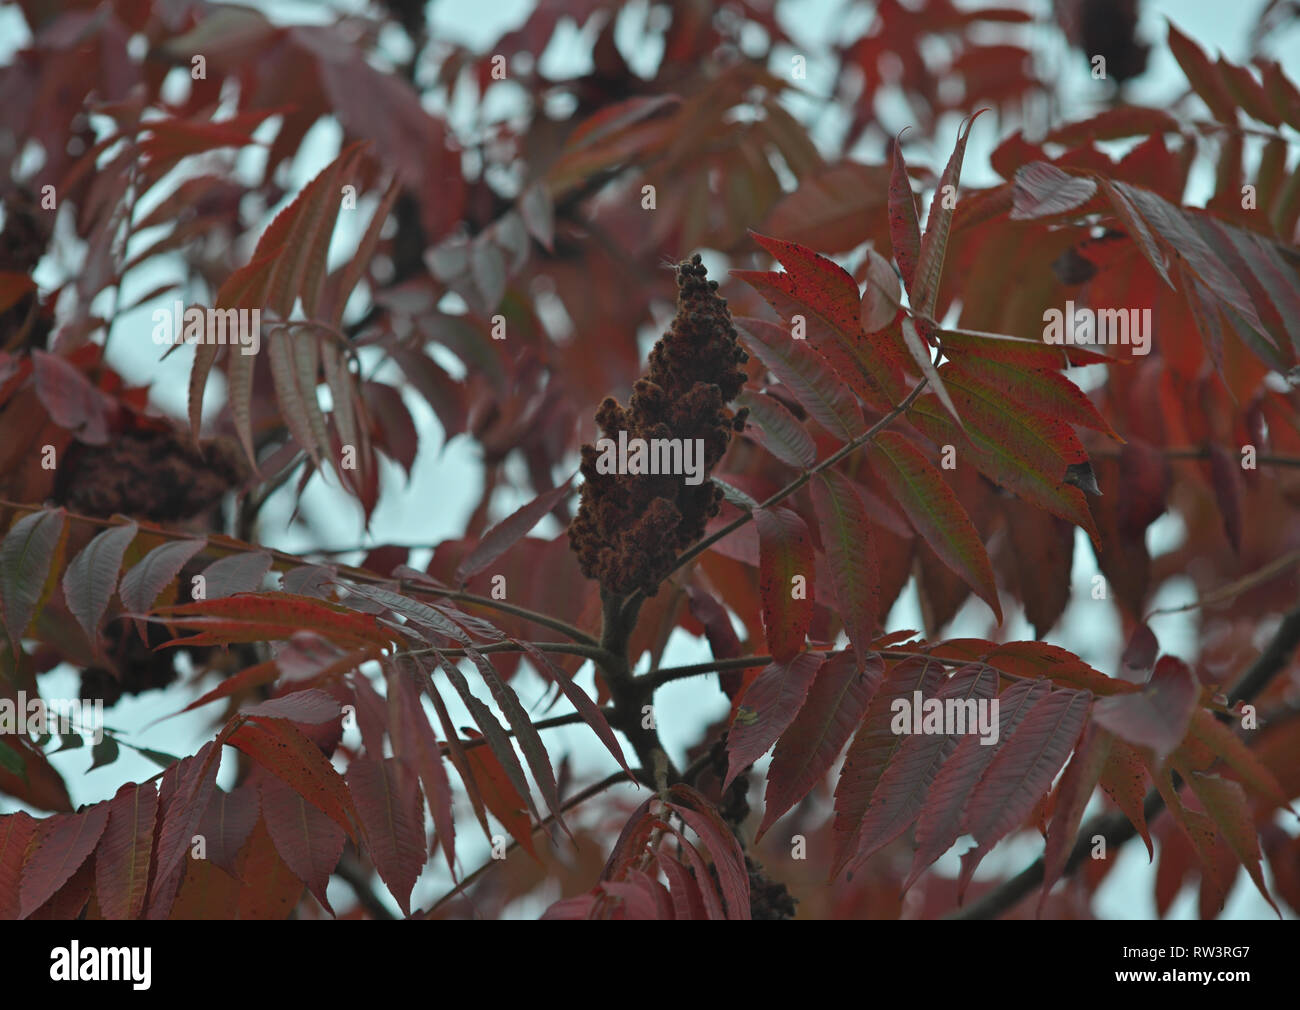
[
  {"x": 850, "y": 555},
  {"x": 122, "y": 857},
  {"x": 805, "y": 373},
  {"x": 279, "y": 747},
  {"x": 501, "y": 796},
  {"x": 940, "y": 821},
  {"x": 27, "y": 567},
  {"x": 1077, "y": 784},
  {"x": 1159, "y": 714},
  {"x": 874, "y": 746},
  {"x": 1021, "y": 772},
  {"x": 766, "y": 708},
  {"x": 786, "y": 578},
  {"x": 1225, "y": 802},
  {"x": 307, "y": 840},
  {"x": 504, "y": 534},
  {"x": 91, "y": 577},
  {"x": 16, "y": 832},
  {"x": 835, "y": 705},
  {"x": 935, "y": 512}
]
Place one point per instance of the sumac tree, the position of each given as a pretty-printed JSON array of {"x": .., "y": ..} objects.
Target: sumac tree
[{"x": 862, "y": 390}]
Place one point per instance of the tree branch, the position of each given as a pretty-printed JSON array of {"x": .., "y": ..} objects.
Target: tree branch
[{"x": 1116, "y": 828}]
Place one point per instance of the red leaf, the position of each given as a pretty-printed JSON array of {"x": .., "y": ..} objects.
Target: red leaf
[
  {"x": 904, "y": 230},
  {"x": 16, "y": 831},
  {"x": 122, "y": 858},
  {"x": 934, "y": 245},
  {"x": 728, "y": 856},
  {"x": 1072, "y": 795},
  {"x": 415, "y": 744},
  {"x": 874, "y": 747},
  {"x": 850, "y": 555},
  {"x": 579, "y": 699},
  {"x": 501, "y": 795},
  {"x": 1022, "y": 772},
  {"x": 227, "y": 823},
  {"x": 182, "y": 802},
  {"x": 503, "y": 535},
  {"x": 1124, "y": 779},
  {"x": 835, "y": 705},
  {"x": 280, "y": 748},
  {"x": 940, "y": 821},
  {"x": 73, "y": 402},
  {"x": 62, "y": 844},
  {"x": 1159, "y": 714},
  {"x": 905, "y": 783},
  {"x": 308, "y": 841},
  {"x": 260, "y": 617},
  {"x": 766, "y": 708},
  {"x": 785, "y": 551},
  {"x": 1225, "y": 802}
]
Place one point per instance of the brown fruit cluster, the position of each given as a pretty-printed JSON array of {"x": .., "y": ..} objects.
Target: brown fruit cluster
[
  {"x": 630, "y": 527},
  {"x": 152, "y": 475}
]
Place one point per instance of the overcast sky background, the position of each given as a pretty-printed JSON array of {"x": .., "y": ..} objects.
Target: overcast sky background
[{"x": 446, "y": 481}]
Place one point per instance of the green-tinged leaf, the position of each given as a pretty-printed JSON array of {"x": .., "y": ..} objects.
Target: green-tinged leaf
[
  {"x": 778, "y": 430},
  {"x": 934, "y": 244},
  {"x": 27, "y": 567},
  {"x": 123, "y": 855},
  {"x": 805, "y": 373},
  {"x": 1226, "y": 804},
  {"x": 90, "y": 579},
  {"x": 935, "y": 512},
  {"x": 787, "y": 573},
  {"x": 1046, "y": 392},
  {"x": 904, "y": 230},
  {"x": 847, "y": 541}
]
